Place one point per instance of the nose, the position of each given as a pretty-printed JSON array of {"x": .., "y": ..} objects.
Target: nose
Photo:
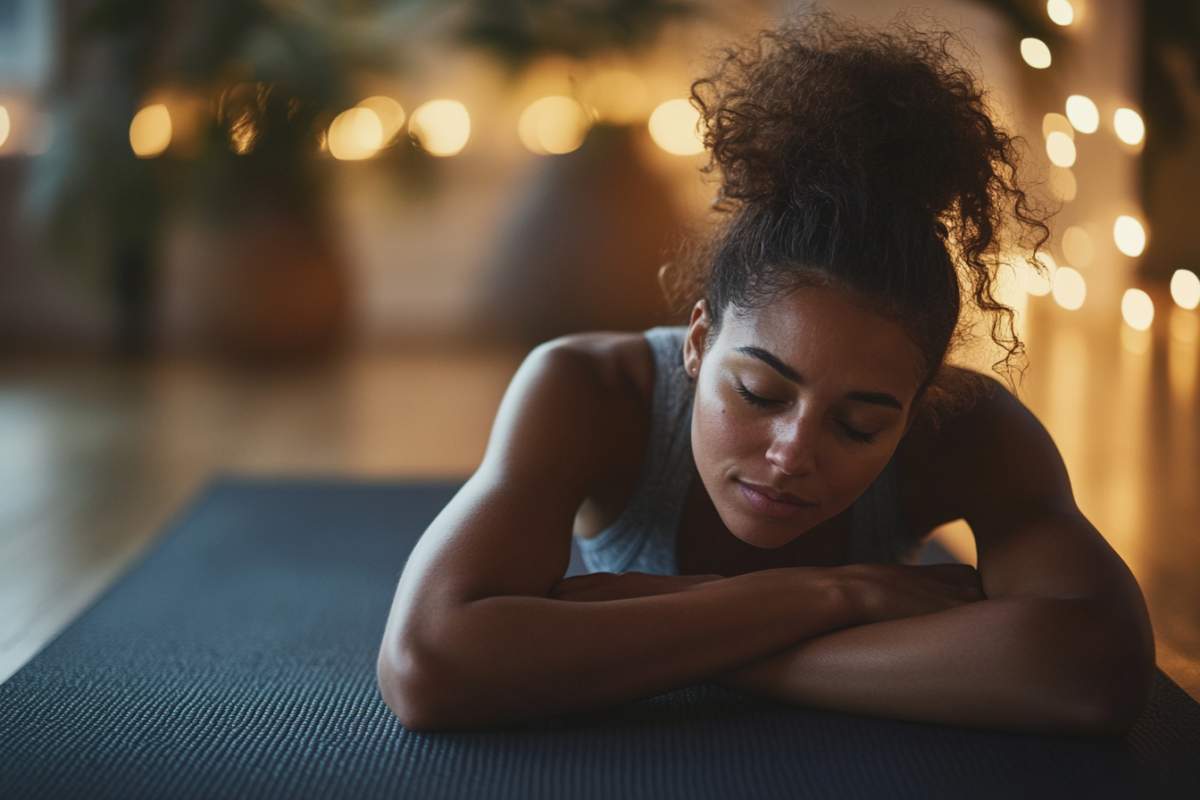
[{"x": 793, "y": 445}]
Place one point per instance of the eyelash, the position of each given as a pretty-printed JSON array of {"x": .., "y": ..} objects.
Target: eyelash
[{"x": 762, "y": 402}]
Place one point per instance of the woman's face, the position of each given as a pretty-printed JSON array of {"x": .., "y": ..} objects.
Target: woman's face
[{"x": 837, "y": 382}]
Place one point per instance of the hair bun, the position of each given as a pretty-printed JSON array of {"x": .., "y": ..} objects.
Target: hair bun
[{"x": 819, "y": 110}]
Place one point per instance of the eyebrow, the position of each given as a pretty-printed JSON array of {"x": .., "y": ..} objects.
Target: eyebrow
[{"x": 773, "y": 361}]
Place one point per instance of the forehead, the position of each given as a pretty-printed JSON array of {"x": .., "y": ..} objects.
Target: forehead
[{"x": 823, "y": 331}]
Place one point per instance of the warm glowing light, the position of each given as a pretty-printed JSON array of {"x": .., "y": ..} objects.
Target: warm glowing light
[
  {"x": 1137, "y": 309},
  {"x": 5, "y": 125},
  {"x": 1082, "y": 113},
  {"x": 1035, "y": 282},
  {"x": 1035, "y": 52},
  {"x": 1063, "y": 184},
  {"x": 390, "y": 113},
  {"x": 1129, "y": 235},
  {"x": 1128, "y": 125},
  {"x": 1069, "y": 288},
  {"x": 1061, "y": 149},
  {"x": 441, "y": 127},
  {"x": 1077, "y": 246},
  {"x": 1185, "y": 289},
  {"x": 674, "y": 128},
  {"x": 150, "y": 131},
  {"x": 355, "y": 134},
  {"x": 1057, "y": 122},
  {"x": 617, "y": 96},
  {"x": 1060, "y": 12},
  {"x": 553, "y": 125}
]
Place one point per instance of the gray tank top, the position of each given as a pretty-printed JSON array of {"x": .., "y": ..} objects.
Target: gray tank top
[{"x": 642, "y": 539}]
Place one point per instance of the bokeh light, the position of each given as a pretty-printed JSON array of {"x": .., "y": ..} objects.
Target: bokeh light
[
  {"x": 616, "y": 96},
  {"x": 1061, "y": 149},
  {"x": 1070, "y": 288},
  {"x": 1129, "y": 235},
  {"x": 1063, "y": 184},
  {"x": 5, "y": 125},
  {"x": 1057, "y": 122},
  {"x": 355, "y": 134},
  {"x": 1035, "y": 282},
  {"x": 1137, "y": 309},
  {"x": 441, "y": 127},
  {"x": 674, "y": 128},
  {"x": 150, "y": 131},
  {"x": 1129, "y": 125},
  {"x": 1035, "y": 52},
  {"x": 1077, "y": 246},
  {"x": 1082, "y": 113},
  {"x": 1060, "y": 12},
  {"x": 390, "y": 114},
  {"x": 1185, "y": 288},
  {"x": 553, "y": 125}
]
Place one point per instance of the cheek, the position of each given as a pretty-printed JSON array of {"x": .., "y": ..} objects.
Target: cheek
[{"x": 719, "y": 434}]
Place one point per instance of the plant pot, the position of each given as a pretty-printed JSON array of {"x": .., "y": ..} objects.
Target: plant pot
[
  {"x": 266, "y": 284},
  {"x": 583, "y": 246}
]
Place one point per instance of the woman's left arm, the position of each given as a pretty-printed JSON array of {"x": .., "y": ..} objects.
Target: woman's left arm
[{"x": 1063, "y": 641}]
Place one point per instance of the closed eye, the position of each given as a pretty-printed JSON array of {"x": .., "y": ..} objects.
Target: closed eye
[{"x": 762, "y": 402}]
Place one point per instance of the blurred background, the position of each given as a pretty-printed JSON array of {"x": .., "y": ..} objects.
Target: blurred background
[{"x": 318, "y": 236}]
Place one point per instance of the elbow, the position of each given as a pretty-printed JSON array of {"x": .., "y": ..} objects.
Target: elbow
[
  {"x": 1123, "y": 701},
  {"x": 405, "y": 690}
]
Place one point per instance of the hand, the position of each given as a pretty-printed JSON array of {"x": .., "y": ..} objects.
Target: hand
[
  {"x": 892, "y": 591},
  {"x": 622, "y": 585}
]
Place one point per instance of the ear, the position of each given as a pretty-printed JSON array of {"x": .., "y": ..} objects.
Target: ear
[{"x": 693, "y": 343}]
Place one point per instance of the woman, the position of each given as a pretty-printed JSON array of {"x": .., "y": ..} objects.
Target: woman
[{"x": 746, "y": 486}]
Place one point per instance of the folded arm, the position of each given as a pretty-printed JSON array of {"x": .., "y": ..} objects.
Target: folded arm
[
  {"x": 1063, "y": 640},
  {"x": 1023, "y": 664}
]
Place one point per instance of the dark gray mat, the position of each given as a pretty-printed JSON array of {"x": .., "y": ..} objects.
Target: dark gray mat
[{"x": 236, "y": 659}]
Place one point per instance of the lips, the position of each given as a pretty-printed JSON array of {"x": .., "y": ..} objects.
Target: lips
[{"x": 780, "y": 497}]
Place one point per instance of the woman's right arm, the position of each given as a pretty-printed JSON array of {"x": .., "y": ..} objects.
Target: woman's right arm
[{"x": 474, "y": 639}]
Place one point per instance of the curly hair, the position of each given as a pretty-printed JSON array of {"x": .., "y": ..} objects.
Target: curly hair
[{"x": 865, "y": 160}]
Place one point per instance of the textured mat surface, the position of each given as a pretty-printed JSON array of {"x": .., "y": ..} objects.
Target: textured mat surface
[{"x": 236, "y": 659}]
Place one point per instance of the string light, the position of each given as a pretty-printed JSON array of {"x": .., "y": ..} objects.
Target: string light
[
  {"x": 1137, "y": 309},
  {"x": 1082, "y": 113},
  {"x": 1061, "y": 149},
  {"x": 1185, "y": 289},
  {"x": 553, "y": 125},
  {"x": 1035, "y": 52},
  {"x": 1129, "y": 125},
  {"x": 390, "y": 114},
  {"x": 355, "y": 134},
  {"x": 1129, "y": 235},
  {"x": 441, "y": 127},
  {"x": 673, "y": 128},
  {"x": 1057, "y": 122},
  {"x": 1060, "y": 12},
  {"x": 150, "y": 131},
  {"x": 1070, "y": 289}
]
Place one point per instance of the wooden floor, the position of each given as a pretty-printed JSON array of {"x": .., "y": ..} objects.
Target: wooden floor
[{"x": 97, "y": 457}]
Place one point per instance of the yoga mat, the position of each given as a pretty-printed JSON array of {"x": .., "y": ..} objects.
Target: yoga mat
[{"x": 236, "y": 659}]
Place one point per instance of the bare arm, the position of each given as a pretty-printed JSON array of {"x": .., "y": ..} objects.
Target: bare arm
[
  {"x": 1063, "y": 641},
  {"x": 510, "y": 658},
  {"x": 1025, "y": 664}
]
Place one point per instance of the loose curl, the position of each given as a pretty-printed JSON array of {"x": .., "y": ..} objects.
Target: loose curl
[{"x": 865, "y": 160}]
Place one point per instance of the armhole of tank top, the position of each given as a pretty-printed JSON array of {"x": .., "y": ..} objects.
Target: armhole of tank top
[{"x": 619, "y": 526}]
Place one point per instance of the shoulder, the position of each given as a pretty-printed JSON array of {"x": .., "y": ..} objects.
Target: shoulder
[
  {"x": 976, "y": 447},
  {"x": 620, "y": 361}
]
